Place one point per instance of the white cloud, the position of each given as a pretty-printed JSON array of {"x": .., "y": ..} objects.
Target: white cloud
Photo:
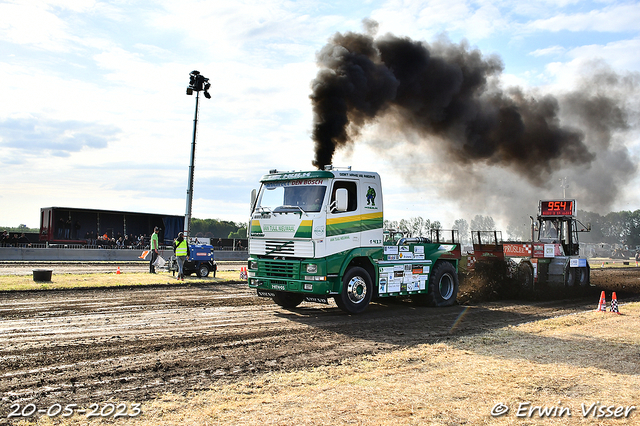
[
  {"x": 620, "y": 54},
  {"x": 585, "y": 59},
  {"x": 32, "y": 24},
  {"x": 425, "y": 19},
  {"x": 616, "y": 18},
  {"x": 548, "y": 51}
]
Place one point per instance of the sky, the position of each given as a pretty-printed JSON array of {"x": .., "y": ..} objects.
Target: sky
[{"x": 94, "y": 112}]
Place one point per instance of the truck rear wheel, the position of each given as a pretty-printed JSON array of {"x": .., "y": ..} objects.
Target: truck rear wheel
[
  {"x": 584, "y": 276},
  {"x": 525, "y": 276},
  {"x": 570, "y": 276},
  {"x": 357, "y": 290},
  {"x": 203, "y": 270},
  {"x": 443, "y": 288},
  {"x": 288, "y": 300}
]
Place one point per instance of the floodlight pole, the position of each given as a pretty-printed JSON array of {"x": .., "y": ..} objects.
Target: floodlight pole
[
  {"x": 197, "y": 83},
  {"x": 187, "y": 215}
]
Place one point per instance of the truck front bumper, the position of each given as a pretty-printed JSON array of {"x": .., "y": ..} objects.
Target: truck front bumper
[{"x": 295, "y": 276}]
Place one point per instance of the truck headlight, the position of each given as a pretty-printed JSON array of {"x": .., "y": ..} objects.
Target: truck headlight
[
  {"x": 312, "y": 269},
  {"x": 315, "y": 278},
  {"x": 253, "y": 264}
]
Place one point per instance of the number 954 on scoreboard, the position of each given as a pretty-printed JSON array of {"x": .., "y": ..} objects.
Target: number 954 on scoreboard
[{"x": 557, "y": 207}]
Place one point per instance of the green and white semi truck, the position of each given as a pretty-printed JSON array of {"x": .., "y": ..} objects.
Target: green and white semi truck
[{"x": 319, "y": 234}]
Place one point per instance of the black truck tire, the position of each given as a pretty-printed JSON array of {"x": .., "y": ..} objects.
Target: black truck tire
[
  {"x": 525, "y": 276},
  {"x": 357, "y": 290},
  {"x": 443, "y": 286},
  {"x": 288, "y": 300},
  {"x": 203, "y": 270},
  {"x": 570, "y": 276},
  {"x": 584, "y": 276}
]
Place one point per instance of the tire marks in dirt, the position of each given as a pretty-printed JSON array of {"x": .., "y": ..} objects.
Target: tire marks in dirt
[{"x": 91, "y": 346}]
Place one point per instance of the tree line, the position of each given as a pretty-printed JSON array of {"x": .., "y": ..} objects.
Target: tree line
[
  {"x": 614, "y": 228},
  {"x": 421, "y": 227},
  {"x": 209, "y": 228},
  {"x": 215, "y": 228},
  {"x": 621, "y": 227}
]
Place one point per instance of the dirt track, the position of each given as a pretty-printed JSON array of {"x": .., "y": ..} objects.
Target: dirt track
[{"x": 130, "y": 344}]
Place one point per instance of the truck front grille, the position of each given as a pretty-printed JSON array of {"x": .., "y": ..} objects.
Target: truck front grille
[
  {"x": 280, "y": 269},
  {"x": 287, "y": 248},
  {"x": 280, "y": 248}
]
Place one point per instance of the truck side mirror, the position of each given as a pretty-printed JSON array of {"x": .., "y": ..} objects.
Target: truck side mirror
[
  {"x": 342, "y": 199},
  {"x": 254, "y": 196}
]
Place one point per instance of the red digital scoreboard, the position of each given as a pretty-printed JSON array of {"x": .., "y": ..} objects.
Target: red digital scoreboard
[{"x": 550, "y": 208}]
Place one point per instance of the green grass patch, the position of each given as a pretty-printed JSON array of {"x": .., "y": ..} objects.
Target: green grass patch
[{"x": 110, "y": 279}]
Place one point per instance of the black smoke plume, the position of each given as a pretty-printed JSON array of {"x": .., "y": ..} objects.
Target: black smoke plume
[
  {"x": 449, "y": 95},
  {"x": 441, "y": 90}
]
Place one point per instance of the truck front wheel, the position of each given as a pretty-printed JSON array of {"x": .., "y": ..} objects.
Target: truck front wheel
[
  {"x": 288, "y": 300},
  {"x": 357, "y": 290}
]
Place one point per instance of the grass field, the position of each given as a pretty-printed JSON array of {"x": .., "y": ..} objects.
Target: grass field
[
  {"x": 573, "y": 370},
  {"x": 68, "y": 281}
]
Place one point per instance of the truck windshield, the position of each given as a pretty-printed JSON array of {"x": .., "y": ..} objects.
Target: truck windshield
[
  {"x": 284, "y": 197},
  {"x": 550, "y": 230}
]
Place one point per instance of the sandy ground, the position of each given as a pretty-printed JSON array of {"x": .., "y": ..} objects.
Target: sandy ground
[{"x": 132, "y": 344}]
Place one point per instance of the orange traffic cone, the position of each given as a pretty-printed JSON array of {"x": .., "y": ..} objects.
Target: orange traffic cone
[
  {"x": 614, "y": 304},
  {"x": 602, "y": 305},
  {"x": 118, "y": 271}
]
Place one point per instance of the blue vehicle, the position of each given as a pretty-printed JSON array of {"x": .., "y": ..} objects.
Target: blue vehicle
[{"x": 199, "y": 261}]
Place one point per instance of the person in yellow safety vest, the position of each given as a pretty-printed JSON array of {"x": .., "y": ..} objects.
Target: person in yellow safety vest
[{"x": 181, "y": 249}]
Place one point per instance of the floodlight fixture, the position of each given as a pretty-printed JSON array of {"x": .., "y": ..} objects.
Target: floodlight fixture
[{"x": 198, "y": 83}]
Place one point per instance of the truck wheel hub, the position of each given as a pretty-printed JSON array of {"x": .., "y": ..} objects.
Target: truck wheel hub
[
  {"x": 356, "y": 290},
  {"x": 446, "y": 286}
]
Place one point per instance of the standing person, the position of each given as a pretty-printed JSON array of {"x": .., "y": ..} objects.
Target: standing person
[
  {"x": 67, "y": 229},
  {"x": 154, "y": 250},
  {"x": 181, "y": 249}
]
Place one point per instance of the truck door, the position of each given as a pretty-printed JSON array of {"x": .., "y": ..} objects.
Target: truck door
[{"x": 343, "y": 228}]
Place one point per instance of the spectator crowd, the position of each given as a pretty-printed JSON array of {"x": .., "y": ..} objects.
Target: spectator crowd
[
  {"x": 103, "y": 240},
  {"x": 13, "y": 240},
  {"x": 119, "y": 241}
]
